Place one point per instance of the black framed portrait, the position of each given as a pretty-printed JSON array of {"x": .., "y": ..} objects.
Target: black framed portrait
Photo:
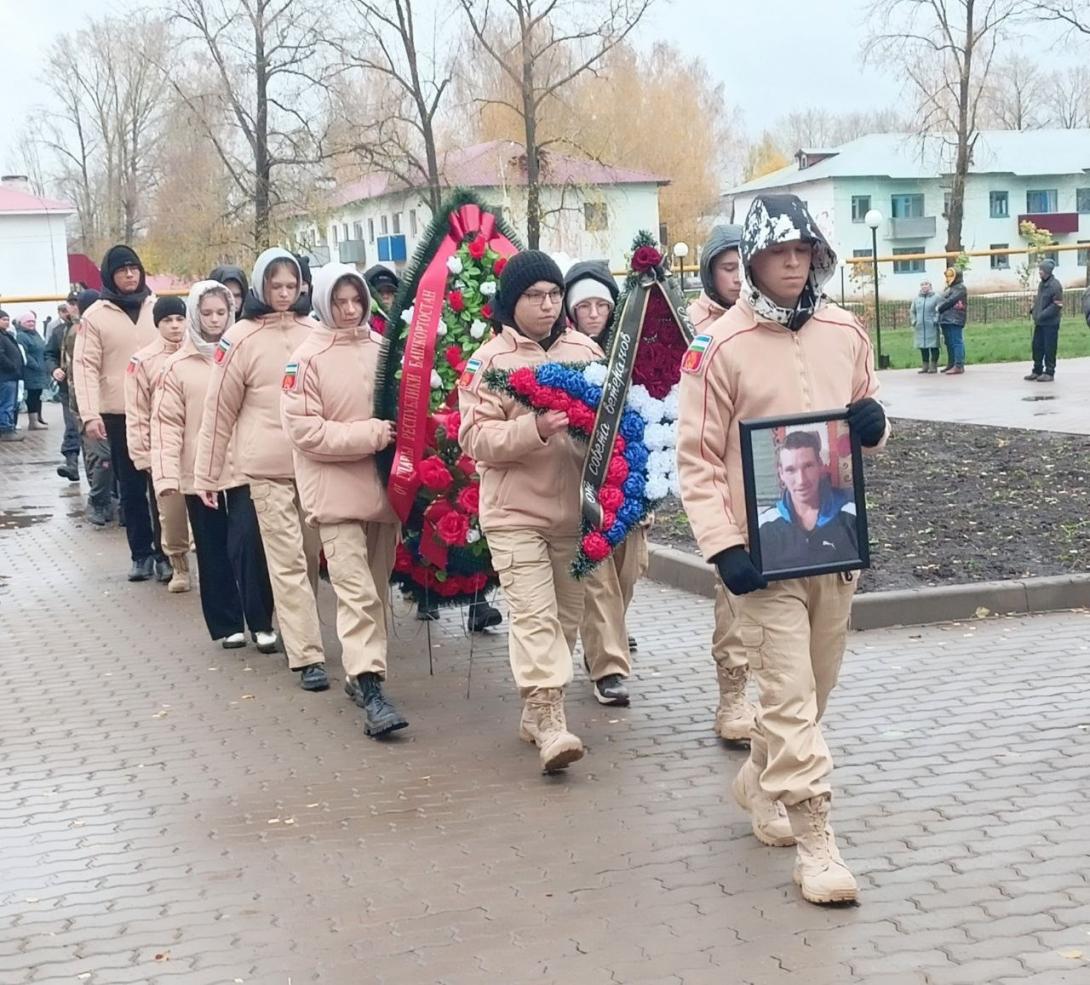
[{"x": 805, "y": 505}]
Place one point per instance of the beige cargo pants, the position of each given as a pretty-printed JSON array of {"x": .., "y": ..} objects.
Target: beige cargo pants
[
  {"x": 173, "y": 525},
  {"x": 545, "y": 604},
  {"x": 608, "y": 594},
  {"x": 360, "y": 557},
  {"x": 291, "y": 550},
  {"x": 793, "y": 634}
]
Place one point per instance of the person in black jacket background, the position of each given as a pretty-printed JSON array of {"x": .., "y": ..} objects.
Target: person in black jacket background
[
  {"x": 1047, "y": 309},
  {"x": 951, "y": 309},
  {"x": 58, "y": 368},
  {"x": 12, "y": 368}
]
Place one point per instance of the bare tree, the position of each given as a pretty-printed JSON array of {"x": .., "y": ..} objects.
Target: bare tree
[
  {"x": 1072, "y": 14},
  {"x": 265, "y": 60},
  {"x": 1069, "y": 98},
  {"x": 400, "y": 136},
  {"x": 1014, "y": 98},
  {"x": 542, "y": 46},
  {"x": 814, "y": 127},
  {"x": 947, "y": 49}
]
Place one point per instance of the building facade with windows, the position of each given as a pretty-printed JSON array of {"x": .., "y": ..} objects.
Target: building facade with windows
[
  {"x": 589, "y": 210},
  {"x": 1038, "y": 175}
]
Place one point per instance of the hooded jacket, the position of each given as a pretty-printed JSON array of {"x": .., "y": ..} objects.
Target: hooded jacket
[
  {"x": 141, "y": 381},
  {"x": 526, "y": 483},
  {"x": 327, "y": 411},
  {"x": 179, "y": 404},
  {"x": 225, "y": 273},
  {"x": 117, "y": 257},
  {"x": 1048, "y": 306},
  {"x": 12, "y": 363},
  {"x": 711, "y": 305},
  {"x": 35, "y": 375},
  {"x": 952, "y": 304},
  {"x": 813, "y": 357},
  {"x": 243, "y": 401}
]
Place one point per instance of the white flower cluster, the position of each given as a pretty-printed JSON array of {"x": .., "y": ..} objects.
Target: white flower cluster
[
  {"x": 595, "y": 374},
  {"x": 436, "y": 380},
  {"x": 488, "y": 288},
  {"x": 473, "y": 536},
  {"x": 441, "y": 329},
  {"x": 478, "y": 328},
  {"x": 454, "y": 265},
  {"x": 660, "y": 438},
  {"x": 407, "y": 314}
]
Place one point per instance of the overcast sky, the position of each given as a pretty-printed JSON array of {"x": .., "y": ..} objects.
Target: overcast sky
[{"x": 815, "y": 45}]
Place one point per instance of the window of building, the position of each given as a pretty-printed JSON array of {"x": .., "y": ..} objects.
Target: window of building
[
  {"x": 596, "y": 217},
  {"x": 1083, "y": 256},
  {"x": 336, "y": 234},
  {"x": 908, "y": 266},
  {"x": 413, "y": 229},
  {"x": 860, "y": 207},
  {"x": 947, "y": 198},
  {"x": 344, "y": 231},
  {"x": 862, "y": 253},
  {"x": 1003, "y": 260},
  {"x": 357, "y": 230},
  {"x": 1042, "y": 200},
  {"x": 385, "y": 225},
  {"x": 371, "y": 230},
  {"x": 999, "y": 206},
  {"x": 1082, "y": 201},
  {"x": 397, "y": 223},
  {"x": 906, "y": 206}
]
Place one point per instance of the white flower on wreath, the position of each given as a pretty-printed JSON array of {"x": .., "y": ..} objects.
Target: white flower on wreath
[
  {"x": 654, "y": 410},
  {"x": 454, "y": 265},
  {"x": 441, "y": 330},
  {"x": 595, "y": 374},
  {"x": 488, "y": 288},
  {"x": 660, "y": 463},
  {"x": 675, "y": 485},
  {"x": 657, "y": 435},
  {"x": 473, "y": 536},
  {"x": 638, "y": 398},
  {"x": 658, "y": 487},
  {"x": 478, "y": 328},
  {"x": 671, "y": 409},
  {"x": 407, "y": 315},
  {"x": 436, "y": 380}
]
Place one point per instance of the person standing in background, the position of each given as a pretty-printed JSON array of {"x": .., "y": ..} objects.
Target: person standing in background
[
  {"x": 382, "y": 283},
  {"x": 35, "y": 375},
  {"x": 110, "y": 331},
  {"x": 952, "y": 310},
  {"x": 1047, "y": 310},
  {"x": 59, "y": 367},
  {"x": 720, "y": 276},
  {"x": 924, "y": 318},
  {"x": 234, "y": 279},
  {"x": 12, "y": 366}
]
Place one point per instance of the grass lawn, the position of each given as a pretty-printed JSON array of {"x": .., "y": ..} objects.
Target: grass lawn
[{"x": 995, "y": 342}]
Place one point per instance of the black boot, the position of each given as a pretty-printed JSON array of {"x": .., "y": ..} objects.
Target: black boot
[
  {"x": 70, "y": 469},
  {"x": 142, "y": 570},
  {"x": 164, "y": 571},
  {"x": 381, "y": 717},
  {"x": 483, "y": 616}
]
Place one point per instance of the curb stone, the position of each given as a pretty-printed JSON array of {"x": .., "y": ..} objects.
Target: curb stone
[{"x": 908, "y": 607}]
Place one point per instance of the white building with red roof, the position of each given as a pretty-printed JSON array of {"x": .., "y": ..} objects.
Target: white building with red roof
[
  {"x": 590, "y": 210},
  {"x": 33, "y": 243}
]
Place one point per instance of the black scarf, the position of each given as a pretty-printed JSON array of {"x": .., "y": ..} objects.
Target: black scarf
[{"x": 117, "y": 257}]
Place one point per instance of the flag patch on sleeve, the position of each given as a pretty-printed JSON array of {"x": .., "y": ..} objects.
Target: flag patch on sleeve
[
  {"x": 469, "y": 372},
  {"x": 222, "y": 349},
  {"x": 134, "y": 362},
  {"x": 291, "y": 374},
  {"x": 694, "y": 355}
]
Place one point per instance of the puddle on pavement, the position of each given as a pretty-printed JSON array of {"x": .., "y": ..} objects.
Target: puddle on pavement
[{"x": 18, "y": 519}]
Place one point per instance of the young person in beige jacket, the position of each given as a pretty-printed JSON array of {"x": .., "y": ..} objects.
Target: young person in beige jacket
[
  {"x": 141, "y": 380},
  {"x": 590, "y": 297},
  {"x": 530, "y": 470},
  {"x": 782, "y": 350},
  {"x": 110, "y": 331},
  {"x": 327, "y": 408},
  {"x": 243, "y": 406},
  {"x": 231, "y": 570}
]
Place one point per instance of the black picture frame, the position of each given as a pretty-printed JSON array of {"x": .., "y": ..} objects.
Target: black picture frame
[{"x": 766, "y": 564}]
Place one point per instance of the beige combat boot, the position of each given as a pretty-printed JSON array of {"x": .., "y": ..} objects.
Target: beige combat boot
[
  {"x": 543, "y": 723},
  {"x": 735, "y": 717},
  {"x": 820, "y": 872},
  {"x": 768, "y": 817},
  {"x": 179, "y": 581}
]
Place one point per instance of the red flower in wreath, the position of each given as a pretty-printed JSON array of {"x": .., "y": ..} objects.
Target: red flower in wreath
[
  {"x": 522, "y": 380},
  {"x": 467, "y": 465},
  {"x": 478, "y": 247},
  {"x": 580, "y": 416},
  {"x": 557, "y": 399},
  {"x": 455, "y": 357},
  {"x": 617, "y": 471},
  {"x": 469, "y": 499},
  {"x": 452, "y": 529},
  {"x": 486, "y": 312},
  {"x": 611, "y": 498},
  {"x": 436, "y": 476},
  {"x": 451, "y": 423},
  {"x": 456, "y": 301},
  {"x": 596, "y": 547},
  {"x": 403, "y": 560},
  {"x": 497, "y": 267},
  {"x": 645, "y": 258},
  {"x": 608, "y": 519}
]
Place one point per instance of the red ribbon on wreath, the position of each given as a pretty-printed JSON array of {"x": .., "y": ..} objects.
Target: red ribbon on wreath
[{"x": 414, "y": 395}]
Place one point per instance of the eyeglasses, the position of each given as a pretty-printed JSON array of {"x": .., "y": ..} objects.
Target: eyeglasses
[{"x": 541, "y": 297}]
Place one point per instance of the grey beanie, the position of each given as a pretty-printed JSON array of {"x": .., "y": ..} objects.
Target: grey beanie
[
  {"x": 720, "y": 239},
  {"x": 1047, "y": 265}
]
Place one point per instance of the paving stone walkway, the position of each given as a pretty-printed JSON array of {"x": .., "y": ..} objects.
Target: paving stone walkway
[{"x": 175, "y": 814}]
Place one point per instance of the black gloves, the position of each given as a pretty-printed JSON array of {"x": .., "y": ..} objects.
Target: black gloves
[
  {"x": 867, "y": 419},
  {"x": 738, "y": 572}
]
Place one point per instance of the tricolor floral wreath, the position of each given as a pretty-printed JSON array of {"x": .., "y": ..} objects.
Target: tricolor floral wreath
[
  {"x": 443, "y": 310},
  {"x": 642, "y": 467}
]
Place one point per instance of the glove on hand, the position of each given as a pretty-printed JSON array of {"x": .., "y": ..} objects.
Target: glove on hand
[
  {"x": 737, "y": 570},
  {"x": 867, "y": 419}
]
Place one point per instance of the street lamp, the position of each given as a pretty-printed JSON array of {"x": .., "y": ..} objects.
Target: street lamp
[
  {"x": 681, "y": 251},
  {"x": 874, "y": 219}
]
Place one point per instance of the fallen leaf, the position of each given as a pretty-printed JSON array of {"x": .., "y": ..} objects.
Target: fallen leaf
[
  {"x": 1071, "y": 953},
  {"x": 164, "y": 956},
  {"x": 315, "y": 804},
  {"x": 289, "y": 820},
  {"x": 247, "y": 697},
  {"x": 84, "y": 976},
  {"x": 273, "y": 820},
  {"x": 983, "y": 613}
]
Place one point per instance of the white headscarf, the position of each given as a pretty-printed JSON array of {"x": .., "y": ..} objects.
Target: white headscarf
[{"x": 193, "y": 311}]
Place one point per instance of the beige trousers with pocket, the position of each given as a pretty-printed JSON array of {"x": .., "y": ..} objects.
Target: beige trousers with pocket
[
  {"x": 360, "y": 557},
  {"x": 793, "y": 634},
  {"x": 609, "y": 591},
  {"x": 291, "y": 550},
  {"x": 545, "y": 604},
  {"x": 173, "y": 525}
]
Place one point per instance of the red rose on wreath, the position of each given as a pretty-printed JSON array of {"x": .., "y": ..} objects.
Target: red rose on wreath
[
  {"x": 469, "y": 499},
  {"x": 403, "y": 560},
  {"x": 596, "y": 547},
  {"x": 580, "y": 416},
  {"x": 608, "y": 519},
  {"x": 611, "y": 498},
  {"x": 645, "y": 258},
  {"x": 486, "y": 312},
  {"x": 437, "y": 509},
  {"x": 452, "y": 529},
  {"x": 467, "y": 465},
  {"x": 451, "y": 423},
  {"x": 454, "y": 356},
  {"x": 619, "y": 445},
  {"x": 478, "y": 247},
  {"x": 431, "y": 430},
  {"x": 497, "y": 267},
  {"x": 435, "y": 475},
  {"x": 617, "y": 471},
  {"x": 522, "y": 380},
  {"x": 456, "y": 301}
]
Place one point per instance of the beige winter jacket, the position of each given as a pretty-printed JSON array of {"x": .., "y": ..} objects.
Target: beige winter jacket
[
  {"x": 704, "y": 312},
  {"x": 327, "y": 410},
  {"x": 525, "y": 482},
  {"x": 141, "y": 381},
  {"x": 105, "y": 342},
  {"x": 244, "y": 401},
  {"x": 741, "y": 369}
]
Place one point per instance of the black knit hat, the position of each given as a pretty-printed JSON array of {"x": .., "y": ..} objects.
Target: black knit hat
[
  {"x": 87, "y": 297},
  {"x": 523, "y": 270},
  {"x": 117, "y": 257},
  {"x": 378, "y": 277},
  {"x": 165, "y": 306}
]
